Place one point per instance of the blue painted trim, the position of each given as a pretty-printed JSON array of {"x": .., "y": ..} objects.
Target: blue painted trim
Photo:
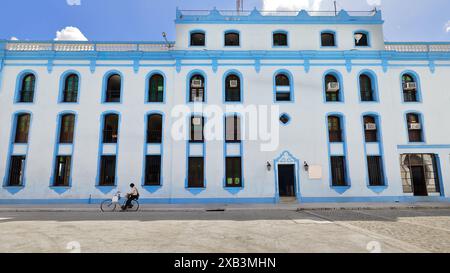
[
  {"x": 289, "y": 117},
  {"x": 147, "y": 86},
  {"x": 374, "y": 82},
  {"x": 291, "y": 86},
  {"x": 297, "y": 175},
  {"x": 424, "y": 146},
  {"x": 19, "y": 82},
  {"x": 62, "y": 84},
  {"x": 416, "y": 78},
  {"x": 188, "y": 85},
  {"x": 422, "y": 123},
  {"x": 224, "y": 84},
  {"x": 105, "y": 86},
  {"x": 233, "y": 190},
  {"x": 153, "y": 188},
  {"x": 15, "y": 189},
  {"x": 340, "y": 79},
  {"x": 338, "y": 189},
  {"x": 370, "y": 199}
]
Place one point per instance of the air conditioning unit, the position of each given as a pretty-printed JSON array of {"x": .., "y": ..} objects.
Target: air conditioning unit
[
  {"x": 197, "y": 83},
  {"x": 197, "y": 121},
  {"x": 333, "y": 87},
  {"x": 371, "y": 126},
  {"x": 197, "y": 96},
  {"x": 415, "y": 126},
  {"x": 233, "y": 83},
  {"x": 410, "y": 86}
]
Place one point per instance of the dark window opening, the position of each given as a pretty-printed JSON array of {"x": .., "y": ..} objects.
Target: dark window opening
[
  {"x": 338, "y": 171},
  {"x": 232, "y": 39},
  {"x": 334, "y": 129},
  {"x": 113, "y": 88},
  {"x": 110, "y": 128},
  {"x": 196, "y": 172},
  {"x": 283, "y": 88},
  {"x": 361, "y": 39},
  {"x": 16, "y": 171},
  {"x": 197, "y": 89},
  {"x": 232, "y": 88},
  {"x": 415, "y": 132},
  {"x": 62, "y": 171},
  {"x": 153, "y": 170},
  {"x": 409, "y": 86},
  {"x": 22, "y": 128},
  {"x": 284, "y": 118},
  {"x": 280, "y": 39},
  {"x": 156, "y": 88},
  {"x": 198, "y": 39},
  {"x": 366, "y": 88},
  {"x": 333, "y": 88},
  {"x": 108, "y": 170},
  {"x": 370, "y": 129},
  {"x": 70, "y": 92},
  {"x": 233, "y": 172},
  {"x": 67, "y": 128},
  {"x": 154, "y": 128},
  {"x": 420, "y": 174},
  {"x": 27, "y": 88},
  {"x": 375, "y": 169},
  {"x": 328, "y": 39},
  {"x": 233, "y": 129},
  {"x": 196, "y": 134}
]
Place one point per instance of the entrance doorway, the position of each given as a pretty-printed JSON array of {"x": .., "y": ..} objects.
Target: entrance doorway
[
  {"x": 286, "y": 180},
  {"x": 418, "y": 181},
  {"x": 420, "y": 174}
]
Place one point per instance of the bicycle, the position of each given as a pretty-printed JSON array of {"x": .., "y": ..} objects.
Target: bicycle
[{"x": 110, "y": 205}]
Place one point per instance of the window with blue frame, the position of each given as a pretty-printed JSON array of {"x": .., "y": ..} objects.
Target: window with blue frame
[
  {"x": 197, "y": 88},
  {"x": 283, "y": 87},
  {"x": 328, "y": 39},
  {"x": 335, "y": 129},
  {"x": 154, "y": 128},
  {"x": 196, "y": 172},
  {"x": 152, "y": 170},
  {"x": 280, "y": 39},
  {"x": 27, "y": 87},
  {"x": 233, "y": 129},
  {"x": 332, "y": 88},
  {"x": 338, "y": 171},
  {"x": 113, "y": 88},
  {"x": 110, "y": 128},
  {"x": 375, "y": 170},
  {"x": 361, "y": 39},
  {"x": 156, "y": 88},
  {"x": 107, "y": 170},
  {"x": 70, "y": 92},
  {"x": 410, "y": 87},
  {"x": 66, "y": 130},
  {"x": 232, "y": 88},
  {"x": 415, "y": 128},
  {"x": 16, "y": 171},
  {"x": 366, "y": 88},
  {"x": 196, "y": 134},
  {"x": 198, "y": 38},
  {"x": 233, "y": 172},
  {"x": 232, "y": 39},
  {"x": 370, "y": 129},
  {"x": 22, "y": 128},
  {"x": 62, "y": 171}
]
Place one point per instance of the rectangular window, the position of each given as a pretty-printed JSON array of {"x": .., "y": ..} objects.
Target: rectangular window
[
  {"x": 197, "y": 129},
  {"x": 283, "y": 96},
  {"x": 108, "y": 170},
  {"x": 196, "y": 172},
  {"x": 62, "y": 171},
  {"x": 67, "y": 128},
  {"x": 16, "y": 170},
  {"x": 420, "y": 174},
  {"x": 233, "y": 172},
  {"x": 338, "y": 173},
  {"x": 153, "y": 170},
  {"x": 22, "y": 128},
  {"x": 375, "y": 169},
  {"x": 233, "y": 129}
]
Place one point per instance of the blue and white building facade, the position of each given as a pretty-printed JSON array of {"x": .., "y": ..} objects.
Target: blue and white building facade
[{"x": 241, "y": 108}]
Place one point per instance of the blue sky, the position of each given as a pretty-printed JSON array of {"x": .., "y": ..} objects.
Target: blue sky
[{"x": 144, "y": 20}]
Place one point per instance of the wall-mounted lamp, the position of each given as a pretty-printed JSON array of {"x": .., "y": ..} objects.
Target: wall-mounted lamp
[
  {"x": 269, "y": 166},
  {"x": 306, "y": 166}
]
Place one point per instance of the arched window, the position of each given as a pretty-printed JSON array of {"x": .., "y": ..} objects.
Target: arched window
[
  {"x": 110, "y": 128},
  {"x": 197, "y": 88},
  {"x": 154, "y": 128},
  {"x": 370, "y": 129},
  {"x": 198, "y": 38},
  {"x": 232, "y": 38},
  {"x": 156, "y": 88},
  {"x": 232, "y": 88},
  {"x": 361, "y": 39},
  {"x": 67, "y": 128},
  {"x": 280, "y": 39},
  {"x": 113, "y": 88},
  {"x": 27, "y": 87},
  {"x": 415, "y": 128},
  {"x": 334, "y": 129},
  {"x": 233, "y": 128},
  {"x": 366, "y": 88},
  {"x": 22, "y": 128},
  {"x": 70, "y": 92},
  {"x": 328, "y": 39},
  {"x": 332, "y": 88},
  {"x": 410, "y": 87},
  {"x": 197, "y": 124},
  {"x": 282, "y": 87}
]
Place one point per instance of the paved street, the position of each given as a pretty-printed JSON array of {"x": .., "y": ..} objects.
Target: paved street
[{"x": 385, "y": 230}]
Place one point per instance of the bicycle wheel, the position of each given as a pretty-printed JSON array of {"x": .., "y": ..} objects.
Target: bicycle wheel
[
  {"x": 135, "y": 205},
  {"x": 108, "y": 205}
]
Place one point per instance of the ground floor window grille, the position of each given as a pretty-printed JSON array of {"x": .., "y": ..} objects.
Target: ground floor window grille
[
  {"x": 196, "y": 172},
  {"x": 16, "y": 171},
  {"x": 108, "y": 170},
  {"x": 62, "y": 171},
  {"x": 338, "y": 172},
  {"x": 419, "y": 174},
  {"x": 233, "y": 172},
  {"x": 375, "y": 169},
  {"x": 153, "y": 170}
]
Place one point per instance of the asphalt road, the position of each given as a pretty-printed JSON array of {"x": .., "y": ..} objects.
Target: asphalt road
[{"x": 381, "y": 230}]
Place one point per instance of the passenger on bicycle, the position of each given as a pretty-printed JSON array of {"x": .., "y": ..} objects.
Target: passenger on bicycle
[{"x": 132, "y": 195}]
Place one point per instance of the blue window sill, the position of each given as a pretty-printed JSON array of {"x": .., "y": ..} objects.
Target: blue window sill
[
  {"x": 377, "y": 189},
  {"x": 105, "y": 189},
  {"x": 340, "y": 189}
]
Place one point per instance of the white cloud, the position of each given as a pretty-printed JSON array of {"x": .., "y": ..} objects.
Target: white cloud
[
  {"x": 447, "y": 27},
  {"x": 294, "y": 5},
  {"x": 14, "y": 39},
  {"x": 374, "y": 2},
  {"x": 73, "y": 2},
  {"x": 70, "y": 34}
]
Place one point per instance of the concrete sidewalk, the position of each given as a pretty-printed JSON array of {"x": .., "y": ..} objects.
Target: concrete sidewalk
[{"x": 228, "y": 207}]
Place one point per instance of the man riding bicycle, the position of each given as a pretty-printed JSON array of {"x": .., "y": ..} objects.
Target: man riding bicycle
[{"x": 132, "y": 195}]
